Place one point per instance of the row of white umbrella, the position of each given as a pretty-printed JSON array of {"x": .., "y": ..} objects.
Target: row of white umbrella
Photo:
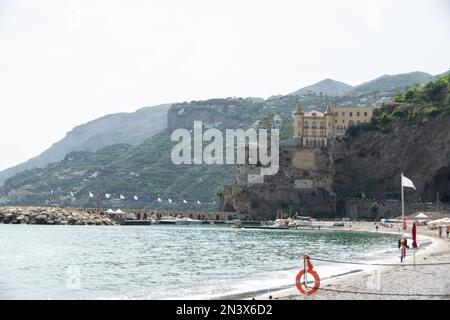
[{"x": 135, "y": 198}]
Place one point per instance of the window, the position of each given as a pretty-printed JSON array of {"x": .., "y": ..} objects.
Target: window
[
  {"x": 322, "y": 125},
  {"x": 306, "y": 125},
  {"x": 351, "y": 114},
  {"x": 343, "y": 121},
  {"x": 343, "y": 114},
  {"x": 335, "y": 114},
  {"x": 357, "y": 114},
  {"x": 335, "y": 121},
  {"x": 365, "y": 114},
  {"x": 314, "y": 125}
]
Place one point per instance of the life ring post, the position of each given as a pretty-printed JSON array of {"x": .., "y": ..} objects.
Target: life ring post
[{"x": 302, "y": 286}]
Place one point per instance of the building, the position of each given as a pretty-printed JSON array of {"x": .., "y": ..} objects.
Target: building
[{"x": 315, "y": 128}]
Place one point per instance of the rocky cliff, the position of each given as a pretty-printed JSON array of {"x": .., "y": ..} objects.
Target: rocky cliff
[{"x": 368, "y": 165}]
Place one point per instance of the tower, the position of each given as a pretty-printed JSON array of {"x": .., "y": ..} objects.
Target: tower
[
  {"x": 298, "y": 124},
  {"x": 329, "y": 125}
]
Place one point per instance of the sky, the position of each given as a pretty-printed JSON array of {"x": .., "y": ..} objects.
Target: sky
[{"x": 66, "y": 62}]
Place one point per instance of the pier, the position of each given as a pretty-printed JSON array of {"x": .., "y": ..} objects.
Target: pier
[{"x": 148, "y": 214}]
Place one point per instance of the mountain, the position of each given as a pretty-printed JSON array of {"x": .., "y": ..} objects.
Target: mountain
[
  {"x": 326, "y": 87},
  {"x": 130, "y": 128},
  {"x": 145, "y": 170},
  {"x": 389, "y": 83},
  {"x": 442, "y": 74},
  {"x": 385, "y": 84},
  {"x": 133, "y": 165}
]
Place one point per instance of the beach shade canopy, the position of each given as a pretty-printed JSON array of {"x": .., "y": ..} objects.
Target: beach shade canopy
[
  {"x": 110, "y": 211},
  {"x": 439, "y": 222},
  {"x": 422, "y": 216},
  {"x": 118, "y": 211}
]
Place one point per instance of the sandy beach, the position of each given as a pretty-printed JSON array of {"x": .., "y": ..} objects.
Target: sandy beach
[{"x": 387, "y": 282}]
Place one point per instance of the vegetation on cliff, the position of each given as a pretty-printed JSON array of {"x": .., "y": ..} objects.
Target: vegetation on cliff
[{"x": 418, "y": 104}]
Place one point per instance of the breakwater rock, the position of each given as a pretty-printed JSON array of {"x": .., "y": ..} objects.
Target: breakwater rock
[{"x": 52, "y": 216}]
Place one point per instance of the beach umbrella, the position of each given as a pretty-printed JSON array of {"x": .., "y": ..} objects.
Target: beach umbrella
[
  {"x": 198, "y": 202},
  {"x": 159, "y": 199},
  {"x": 91, "y": 195},
  {"x": 107, "y": 195},
  {"x": 136, "y": 198},
  {"x": 414, "y": 244},
  {"x": 414, "y": 236},
  {"x": 122, "y": 197},
  {"x": 72, "y": 194},
  {"x": 170, "y": 200},
  {"x": 184, "y": 201}
]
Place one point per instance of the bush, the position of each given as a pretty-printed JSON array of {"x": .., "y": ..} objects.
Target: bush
[
  {"x": 385, "y": 119},
  {"x": 430, "y": 111},
  {"x": 398, "y": 113}
]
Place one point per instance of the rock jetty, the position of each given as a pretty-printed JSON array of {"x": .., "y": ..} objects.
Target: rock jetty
[{"x": 52, "y": 216}]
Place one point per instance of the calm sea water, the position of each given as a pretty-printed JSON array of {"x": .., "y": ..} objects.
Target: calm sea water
[{"x": 162, "y": 262}]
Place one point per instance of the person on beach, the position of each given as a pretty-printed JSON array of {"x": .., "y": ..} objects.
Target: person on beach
[
  {"x": 376, "y": 227},
  {"x": 440, "y": 231},
  {"x": 448, "y": 230},
  {"x": 402, "y": 244}
]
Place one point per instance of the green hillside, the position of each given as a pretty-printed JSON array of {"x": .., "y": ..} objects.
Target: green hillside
[
  {"x": 389, "y": 83},
  {"x": 145, "y": 170}
]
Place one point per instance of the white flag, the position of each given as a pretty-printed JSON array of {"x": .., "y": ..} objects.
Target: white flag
[
  {"x": 159, "y": 199},
  {"x": 184, "y": 201},
  {"x": 107, "y": 195},
  {"x": 198, "y": 202},
  {"x": 122, "y": 197},
  {"x": 407, "y": 183},
  {"x": 136, "y": 198},
  {"x": 170, "y": 200}
]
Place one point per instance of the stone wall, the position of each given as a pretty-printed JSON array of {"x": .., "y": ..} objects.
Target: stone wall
[{"x": 376, "y": 209}]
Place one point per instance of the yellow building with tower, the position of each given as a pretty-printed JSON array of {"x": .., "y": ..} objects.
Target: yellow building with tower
[{"x": 315, "y": 128}]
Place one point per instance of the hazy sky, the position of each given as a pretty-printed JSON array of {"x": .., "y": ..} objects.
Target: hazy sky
[{"x": 63, "y": 63}]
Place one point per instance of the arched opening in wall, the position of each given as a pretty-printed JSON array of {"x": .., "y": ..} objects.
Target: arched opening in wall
[
  {"x": 439, "y": 187},
  {"x": 351, "y": 123}
]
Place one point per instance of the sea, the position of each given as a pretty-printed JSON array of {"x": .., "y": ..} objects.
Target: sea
[{"x": 172, "y": 261}]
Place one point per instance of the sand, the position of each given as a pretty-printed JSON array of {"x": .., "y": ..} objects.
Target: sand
[{"x": 387, "y": 282}]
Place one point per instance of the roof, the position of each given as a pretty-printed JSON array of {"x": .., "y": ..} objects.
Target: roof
[
  {"x": 298, "y": 110},
  {"x": 314, "y": 113}
]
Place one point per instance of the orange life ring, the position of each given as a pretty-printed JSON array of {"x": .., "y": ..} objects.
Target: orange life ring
[{"x": 299, "y": 284}]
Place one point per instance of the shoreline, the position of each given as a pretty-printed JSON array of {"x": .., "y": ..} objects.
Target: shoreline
[{"x": 381, "y": 282}]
